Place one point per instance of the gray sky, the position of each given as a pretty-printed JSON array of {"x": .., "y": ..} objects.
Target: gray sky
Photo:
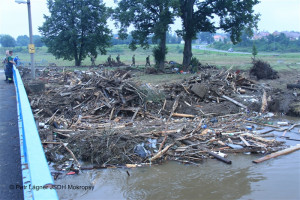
[{"x": 276, "y": 15}]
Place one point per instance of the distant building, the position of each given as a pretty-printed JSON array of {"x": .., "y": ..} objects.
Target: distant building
[
  {"x": 292, "y": 35},
  {"x": 260, "y": 35},
  {"x": 219, "y": 38}
]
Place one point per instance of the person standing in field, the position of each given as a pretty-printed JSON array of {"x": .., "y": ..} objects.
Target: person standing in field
[
  {"x": 118, "y": 59},
  {"x": 148, "y": 61},
  {"x": 109, "y": 60},
  {"x": 133, "y": 60}
]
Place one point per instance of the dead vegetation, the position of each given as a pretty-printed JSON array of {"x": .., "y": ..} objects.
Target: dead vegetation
[
  {"x": 263, "y": 70},
  {"x": 104, "y": 118}
]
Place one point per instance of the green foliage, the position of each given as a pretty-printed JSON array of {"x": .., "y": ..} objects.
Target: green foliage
[
  {"x": 115, "y": 49},
  {"x": 37, "y": 41},
  {"x": 76, "y": 28},
  {"x": 195, "y": 61},
  {"x": 254, "y": 51},
  {"x": 205, "y": 37},
  {"x": 271, "y": 43},
  {"x": 197, "y": 16},
  {"x": 22, "y": 40},
  {"x": 150, "y": 18},
  {"x": 7, "y": 41}
]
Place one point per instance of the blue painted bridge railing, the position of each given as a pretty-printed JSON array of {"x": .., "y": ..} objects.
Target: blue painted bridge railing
[{"x": 37, "y": 180}]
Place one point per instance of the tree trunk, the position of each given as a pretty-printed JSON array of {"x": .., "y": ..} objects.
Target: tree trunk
[
  {"x": 187, "y": 18},
  {"x": 77, "y": 62},
  {"x": 187, "y": 53},
  {"x": 163, "y": 48}
]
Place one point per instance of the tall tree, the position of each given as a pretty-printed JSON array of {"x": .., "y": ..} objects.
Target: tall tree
[
  {"x": 22, "y": 40},
  {"x": 37, "y": 41},
  {"x": 7, "y": 41},
  {"x": 197, "y": 16},
  {"x": 75, "y": 28},
  {"x": 149, "y": 18}
]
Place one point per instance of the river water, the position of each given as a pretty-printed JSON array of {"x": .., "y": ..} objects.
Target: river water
[{"x": 278, "y": 178}]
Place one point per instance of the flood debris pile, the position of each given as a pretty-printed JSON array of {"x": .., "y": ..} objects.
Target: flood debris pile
[
  {"x": 263, "y": 70},
  {"x": 214, "y": 92},
  {"x": 105, "y": 119}
]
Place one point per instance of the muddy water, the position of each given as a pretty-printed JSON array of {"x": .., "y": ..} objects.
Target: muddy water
[{"x": 277, "y": 178}]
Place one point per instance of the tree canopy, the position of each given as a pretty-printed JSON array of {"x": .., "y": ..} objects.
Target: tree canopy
[
  {"x": 197, "y": 16},
  {"x": 75, "y": 28},
  {"x": 149, "y": 18},
  {"x": 7, "y": 41},
  {"x": 22, "y": 40}
]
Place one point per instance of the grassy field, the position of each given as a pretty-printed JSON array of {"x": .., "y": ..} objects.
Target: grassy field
[{"x": 220, "y": 59}]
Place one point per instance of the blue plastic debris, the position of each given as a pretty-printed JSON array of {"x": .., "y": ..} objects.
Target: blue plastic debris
[{"x": 141, "y": 151}]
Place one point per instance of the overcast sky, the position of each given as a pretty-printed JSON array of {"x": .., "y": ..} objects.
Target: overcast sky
[{"x": 276, "y": 15}]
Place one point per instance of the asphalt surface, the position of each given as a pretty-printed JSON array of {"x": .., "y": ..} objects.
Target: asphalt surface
[{"x": 10, "y": 160}]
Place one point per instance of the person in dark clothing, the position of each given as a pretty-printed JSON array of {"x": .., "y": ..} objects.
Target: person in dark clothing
[
  {"x": 118, "y": 59},
  {"x": 109, "y": 60},
  {"x": 133, "y": 60},
  {"x": 148, "y": 61},
  {"x": 5, "y": 65},
  {"x": 10, "y": 64}
]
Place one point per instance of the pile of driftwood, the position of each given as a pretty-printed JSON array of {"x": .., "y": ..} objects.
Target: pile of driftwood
[{"x": 107, "y": 120}]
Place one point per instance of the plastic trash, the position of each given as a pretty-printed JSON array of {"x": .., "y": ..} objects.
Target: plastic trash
[
  {"x": 152, "y": 143},
  {"x": 141, "y": 151},
  {"x": 204, "y": 126},
  {"x": 235, "y": 146},
  {"x": 214, "y": 120},
  {"x": 269, "y": 115},
  {"x": 250, "y": 128},
  {"x": 282, "y": 123}
]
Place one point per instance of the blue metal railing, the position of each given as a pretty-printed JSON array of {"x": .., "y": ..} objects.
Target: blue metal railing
[{"x": 37, "y": 180}]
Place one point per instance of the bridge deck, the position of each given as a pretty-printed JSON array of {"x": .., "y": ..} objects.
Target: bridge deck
[{"x": 10, "y": 162}]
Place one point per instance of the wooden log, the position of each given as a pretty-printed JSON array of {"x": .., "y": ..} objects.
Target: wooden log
[
  {"x": 72, "y": 154},
  {"x": 253, "y": 122},
  {"x": 258, "y": 138},
  {"x": 135, "y": 113},
  {"x": 160, "y": 153},
  {"x": 245, "y": 141},
  {"x": 183, "y": 115},
  {"x": 293, "y": 126},
  {"x": 174, "y": 106},
  {"x": 278, "y": 153},
  {"x": 292, "y": 86},
  {"x": 234, "y": 101},
  {"x": 52, "y": 142},
  {"x": 195, "y": 146},
  {"x": 264, "y": 102}
]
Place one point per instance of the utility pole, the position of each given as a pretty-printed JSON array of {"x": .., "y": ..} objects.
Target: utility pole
[{"x": 31, "y": 47}]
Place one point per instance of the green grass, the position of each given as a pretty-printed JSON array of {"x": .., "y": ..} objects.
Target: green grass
[{"x": 239, "y": 61}]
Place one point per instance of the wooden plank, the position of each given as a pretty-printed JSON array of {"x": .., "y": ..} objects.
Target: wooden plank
[
  {"x": 244, "y": 141},
  {"x": 278, "y": 153},
  {"x": 183, "y": 115},
  {"x": 234, "y": 101}
]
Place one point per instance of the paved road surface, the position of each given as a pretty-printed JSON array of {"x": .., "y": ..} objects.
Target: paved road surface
[{"x": 10, "y": 161}]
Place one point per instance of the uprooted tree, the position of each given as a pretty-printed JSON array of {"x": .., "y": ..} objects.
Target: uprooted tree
[
  {"x": 75, "y": 28},
  {"x": 149, "y": 18},
  {"x": 197, "y": 16}
]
